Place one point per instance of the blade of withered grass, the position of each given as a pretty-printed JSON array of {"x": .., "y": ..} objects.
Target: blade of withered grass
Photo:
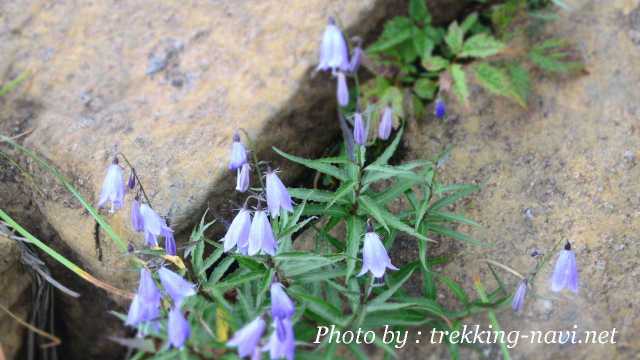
[{"x": 61, "y": 259}]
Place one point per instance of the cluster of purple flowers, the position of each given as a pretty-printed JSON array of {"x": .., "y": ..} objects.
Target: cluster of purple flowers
[
  {"x": 565, "y": 276},
  {"x": 143, "y": 218},
  {"x": 281, "y": 343},
  {"x": 145, "y": 307}
]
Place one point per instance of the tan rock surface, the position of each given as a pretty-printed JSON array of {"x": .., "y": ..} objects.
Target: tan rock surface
[{"x": 565, "y": 169}]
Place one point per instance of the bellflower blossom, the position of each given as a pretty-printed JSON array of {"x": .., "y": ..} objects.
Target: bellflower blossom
[
  {"x": 152, "y": 223},
  {"x": 243, "y": 178},
  {"x": 342, "y": 91},
  {"x": 565, "y": 273},
  {"x": 175, "y": 286},
  {"x": 356, "y": 57},
  {"x": 169, "y": 241},
  {"x": 282, "y": 308},
  {"x": 136, "y": 218},
  {"x": 238, "y": 154},
  {"x": 440, "y": 108},
  {"x": 360, "y": 132},
  {"x": 374, "y": 256},
  {"x": 238, "y": 232},
  {"x": 112, "y": 187},
  {"x": 248, "y": 337},
  {"x": 178, "y": 329},
  {"x": 386, "y": 123},
  {"x": 518, "y": 298},
  {"x": 261, "y": 238},
  {"x": 146, "y": 303},
  {"x": 282, "y": 346},
  {"x": 277, "y": 195},
  {"x": 333, "y": 49}
]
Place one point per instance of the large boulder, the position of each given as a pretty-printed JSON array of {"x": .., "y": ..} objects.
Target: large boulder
[
  {"x": 565, "y": 169},
  {"x": 167, "y": 83}
]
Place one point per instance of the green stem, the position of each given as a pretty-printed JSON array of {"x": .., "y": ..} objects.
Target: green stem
[{"x": 492, "y": 316}]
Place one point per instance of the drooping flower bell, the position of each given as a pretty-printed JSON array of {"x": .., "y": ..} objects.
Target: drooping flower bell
[
  {"x": 247, "y": 338},
  {"x": 175, "y": 286},
  {"x": 238, "y": 153},
  {"x": 261, "y": 238},
  {"x": 374, "y": 256},
  {"x": 518, "y": 298},
  {"x": 282, "y": 345},
  {"x": 178, "y": 329},
  {"x": 440, "y": 108},
  {"x": 136, "y": 218},
  {"x": 359, "y": 129},
  {"x": 282, "y": 308},
  {"x": 243, "y": 178},
  {"x": 169, "y": 241},
  {"x": 112, "y": 188},
  {"x": 342, "y": 90},
  {"x": 238, "y": 232},
  {"x": 333, "y": 49},
  {"x": 131, "y": 184},
  {"x": 356, "y": 58},
  {"x": 278, "y": 197},
  {"x": 386, "y": 123},
  {"x": 565, "y": 273},
  {"x": 146, "y": 303},
  {"x": 152, "y": 223}
]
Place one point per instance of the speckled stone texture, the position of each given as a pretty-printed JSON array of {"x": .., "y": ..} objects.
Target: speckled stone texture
[{"x": 565, "y": 169}]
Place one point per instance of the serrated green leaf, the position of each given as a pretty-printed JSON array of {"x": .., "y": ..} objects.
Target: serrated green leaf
[
  {"x": 480, "y": 46},
  {"x": 373, "y": 209},
  {"x": 418, "y": 11},
  {"x": 344, "y": 189},
  {"x": 555, "y": 55},
  {"x": 469, "y": 22},
  {"x": 390, "y": 150},
  {"x": 221, "y": 269},
  {"x": 396, "y": 31},
  {"x": 454, "y": 38},
  {"x": 444, "y": 231},
  {"x": 520, "y": 83},
  {"x": 445, "y": 201},
  {"x": 447, "y": 216},
  {"x": 435, "y": 63},
  {"x": 379, "y": 172},
  {"x": 314, "y": 164},
  {"x": 455, "y": 288},
  {"x": 498, "y": 82},
  {"x": 460, "y": 87},
  {"x": 425, "y": 88}
]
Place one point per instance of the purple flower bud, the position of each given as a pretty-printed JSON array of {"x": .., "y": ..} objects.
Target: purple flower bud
[
  {"x": 277, "y": 195},
  {"x": 343, "y": 90},
  {"x": 374, "y": 256},
  {"x": 153, "y": 224},
  {"x": 169, "y": 241},
  {"x": 136, "y": 218},
  {"x": 282, "y": 346},
  {"x": 112, "y": 188},
  {"x": 386, "y": 123},
  {"x": 132, "y": 181},
  {"x": 238, "y": 233},
  {"x": 356, "y": 57},
  {"x": 518, "y": 298},
  {"x": 440, "y": 109},
  {"x": 360, "y": 133},
  {"x": 248, "y": 337},
  {"x": 261, "y": 238},
  {"x": 281, "y": 305},
  {"x": 146, "y": 303},
  {"x": 177, "y": 328},
  {"x": 242, "y": 181},
  {"x": 175, "y": 286},
  {"x": 333, "y": 49},
  {"x": 565, "y": 273},
  {"x": 238, "y": 153}
]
